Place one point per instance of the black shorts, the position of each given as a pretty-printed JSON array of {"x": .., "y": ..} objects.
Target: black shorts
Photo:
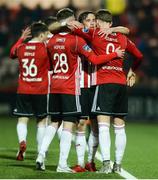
[
  {"x": 111, "y": 99},
  {"x": 31, "y": 105},
  {"x": 64, "y": 106},
  {"x": 86, "y": 99}
]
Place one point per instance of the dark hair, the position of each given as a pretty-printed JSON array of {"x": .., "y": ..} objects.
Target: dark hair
[
  {"x": 37, "y": 28},
  {"x": 84, "y": 15},
  {"x": 104, "y": 15},
  {"x": 64, "y": 14},
  {"x": 50, "y": 20}
]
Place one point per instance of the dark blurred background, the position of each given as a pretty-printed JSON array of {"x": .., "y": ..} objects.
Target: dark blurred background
[{"x": 140, "y": 16}]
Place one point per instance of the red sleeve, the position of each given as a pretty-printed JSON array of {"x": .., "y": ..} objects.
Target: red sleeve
[
  {"x": 85, "y": 50},
  {"x": 86, "y": 34},
  {"x": 49, "y": 49},
  {"x": 13, "y": 51},
  {"x": 132, "y": 49}
]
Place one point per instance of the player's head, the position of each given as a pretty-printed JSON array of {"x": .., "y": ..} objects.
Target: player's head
[
  {"x": 39, "y": 30},
  {"x": 50, "y": 21},
  {"x": 66, "y": 15},
  {"x": 104, "y": 18},
  {"x": 88, "y": 19}
]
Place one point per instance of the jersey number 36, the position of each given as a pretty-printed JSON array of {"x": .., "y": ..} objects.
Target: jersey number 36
[{"x": 29, "y": 67}]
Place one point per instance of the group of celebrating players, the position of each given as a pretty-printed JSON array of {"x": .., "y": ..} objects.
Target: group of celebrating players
[{"x": 73, "y": 71}]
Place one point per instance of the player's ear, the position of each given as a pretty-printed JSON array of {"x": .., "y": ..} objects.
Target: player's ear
[
  {"x": 41, "y": 35},
  {"x": 111, "y": 24}
]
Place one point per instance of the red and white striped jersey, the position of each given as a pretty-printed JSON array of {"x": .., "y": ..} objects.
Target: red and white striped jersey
[
  {"x": 85, "y": 73},
  {"x": 64, "y": 50}
]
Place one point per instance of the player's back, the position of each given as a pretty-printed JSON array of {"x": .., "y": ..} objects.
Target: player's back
[
  {"x": 112, "y": 71},
  {"x": 33, "y": 66},
  {"x": 63, "y": 51}
]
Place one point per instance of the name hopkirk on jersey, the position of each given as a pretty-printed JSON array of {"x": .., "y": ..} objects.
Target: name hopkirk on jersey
[{"x": 59, "y": 47}]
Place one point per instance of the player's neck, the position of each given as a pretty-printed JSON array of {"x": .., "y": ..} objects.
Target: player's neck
[{"x": 36, "y": 39}]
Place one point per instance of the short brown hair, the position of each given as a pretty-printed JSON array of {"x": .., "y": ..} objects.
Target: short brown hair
[
  {"x": 37, "y": 28},
  {"x": 64, "y": 14},
  {"x": 84, "y": 15},
  {"x": 104, "y": 15},
  {"x": 49, "y": 20}
]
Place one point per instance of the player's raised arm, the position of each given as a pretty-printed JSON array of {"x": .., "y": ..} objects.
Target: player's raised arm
[
  {"x": 85, "y": 33},
  {"x": 119, "y": 29},
  {"x": 132, "y": 49},
  {"x": 25, "y": 34},
  {"x": 85, "y": 50}
]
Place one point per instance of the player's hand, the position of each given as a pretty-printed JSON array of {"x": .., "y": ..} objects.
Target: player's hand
[
  {"x": 26, "y": 33},
  {"x": 131, "y": 78},
  {"x": 120, "y": 52},
  {"x": 104, "y": 32},
  {"x": 74, "y": 25}
]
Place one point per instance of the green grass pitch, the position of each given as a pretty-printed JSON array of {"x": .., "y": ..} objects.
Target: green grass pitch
[{"x": 140, "y": 160}]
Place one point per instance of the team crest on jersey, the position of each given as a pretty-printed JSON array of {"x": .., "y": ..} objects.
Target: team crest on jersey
[
  {"x": 87, "y": 48},
  {"x": 60, "y": 40}
]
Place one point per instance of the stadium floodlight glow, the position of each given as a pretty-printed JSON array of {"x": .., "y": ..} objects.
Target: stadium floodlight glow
[
  {"x": 61, "y": 4},
  {"x": 81, "y": 4},
  {"x": 30, "y": 4},
  {"x": 46, "y": 4},
  {"x": 13, "y": 4}
]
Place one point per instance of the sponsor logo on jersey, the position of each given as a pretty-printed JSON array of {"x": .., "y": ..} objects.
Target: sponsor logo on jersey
[
  {"x": 32, "y": 79},
  {"x": 60, "y": 40},
  {"x": 60, "y": 77},
  {"x": 112, "y": 68},
  {"x": 87, "y": 48}
]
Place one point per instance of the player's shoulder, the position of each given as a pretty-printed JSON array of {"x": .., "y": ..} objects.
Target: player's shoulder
[
  {"x": 80, "y": 39},
  {"x": 120, "y": 35},
  {"x": 73, "y": 39},
  {"x": 21, "y": 45},
  {"x": 96, "y": 30}
]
